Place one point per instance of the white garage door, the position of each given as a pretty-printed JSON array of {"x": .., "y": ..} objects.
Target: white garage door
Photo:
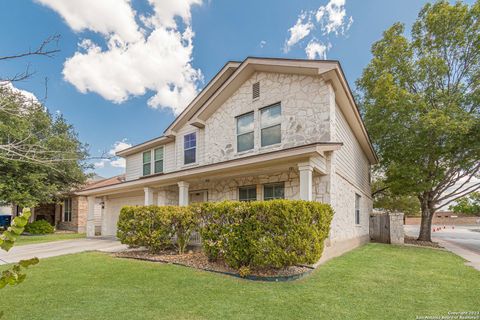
[{"x": 113, "y": 211}]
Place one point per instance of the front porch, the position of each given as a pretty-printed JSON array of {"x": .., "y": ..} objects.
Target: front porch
[{"x": 305, "y": 177}]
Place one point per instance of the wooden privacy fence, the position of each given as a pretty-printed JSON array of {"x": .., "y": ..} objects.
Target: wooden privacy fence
[{"x": 387, "y": 227}]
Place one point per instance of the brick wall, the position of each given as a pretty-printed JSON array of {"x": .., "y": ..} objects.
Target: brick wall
[
  {"x": 79, "y": 215},
  {"x": 446, "y": 221}
]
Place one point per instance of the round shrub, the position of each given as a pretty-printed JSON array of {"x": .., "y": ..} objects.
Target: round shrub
[
  {"x": 39, "y": 227},
  {"x": 156, "y": 227},
  {"x": 264, "y": 234}
]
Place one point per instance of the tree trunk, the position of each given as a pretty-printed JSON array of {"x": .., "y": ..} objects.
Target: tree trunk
[{"x": 427, "y": 216}]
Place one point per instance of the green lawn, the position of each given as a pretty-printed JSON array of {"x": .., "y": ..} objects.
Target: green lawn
[
  {"x": 373, "y": 282},
  {"x": 47, "y": 238}
]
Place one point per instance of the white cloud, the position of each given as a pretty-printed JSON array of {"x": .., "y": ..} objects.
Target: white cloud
[
  {"x": 330, "y": 19},
  {"x": 300, "y": 30},
  {"x": 333, "y": 17},
  {"x": 142, "y": 52},
  {"x": 316, "y": 49},
  {"x": 113, "y": 160},
  {"x": 263, "y": 43},
  {"x": 106, "y": 16}
]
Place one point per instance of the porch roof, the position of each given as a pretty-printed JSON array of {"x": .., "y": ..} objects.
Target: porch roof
[{"x": 297, "y": 153}]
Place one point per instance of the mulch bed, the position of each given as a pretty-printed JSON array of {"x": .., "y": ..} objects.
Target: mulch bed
[
  {"x": 415, "y": 242},
  {"x": 198, "y": 260}
]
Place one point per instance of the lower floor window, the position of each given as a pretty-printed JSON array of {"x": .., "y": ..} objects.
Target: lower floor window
[
  {"x": 247, "y": 193},
  {"x": 357, "y": 208},
  {"x": 274, "y": 191},
  {"x": 67, "y": 210}
]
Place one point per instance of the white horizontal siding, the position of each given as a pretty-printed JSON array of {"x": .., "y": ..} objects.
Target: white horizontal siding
[
  {"x": 133, "y": 169},
  {"x": 352, "y": 162},
  {"x": 169, "y": 157}
]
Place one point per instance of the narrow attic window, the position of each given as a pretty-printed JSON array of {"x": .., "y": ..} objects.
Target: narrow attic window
[{"x": 256, "y": 90}]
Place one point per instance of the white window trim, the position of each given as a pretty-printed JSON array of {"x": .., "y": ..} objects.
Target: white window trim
[
  {"x": 358, "y": 209},
  {"x": 152, "y": 161},
  {"x": 196, "y": 150},
  {"x": 270, "y": 184},
  {"x": 271, "y": 125},
  {"x": 237, "y": 134},
  {"x": 152, "y": 169},
  {"x": 248, "y": 186}
]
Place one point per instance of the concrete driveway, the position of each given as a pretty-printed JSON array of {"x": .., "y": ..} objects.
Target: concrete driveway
[
  {"x": 463, "y": 241},
  {"x": 58, "y": 248}
]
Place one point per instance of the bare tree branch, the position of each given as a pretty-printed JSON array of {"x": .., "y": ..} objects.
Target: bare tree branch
[
  {"x": 460, "y": 195},
  {"x": 42, "y": 50}
]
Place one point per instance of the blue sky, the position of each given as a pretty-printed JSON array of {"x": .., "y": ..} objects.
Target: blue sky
[{"x": 119, "y": 105}]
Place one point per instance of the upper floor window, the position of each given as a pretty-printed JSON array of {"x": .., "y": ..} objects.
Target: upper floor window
[
  {"x": 189, "y": 148},
  {"x": 67, "y": 210},
  {"x": 147, "y": 163},
  {"x": 270, "y": 120},
  {"x": 357, "y": 208},
  {"x": 158, "y": 160},
  {"x": 274, "y": 191},
  {"x": 247, "y": 193},
  {"x": 245, "y": 132}
]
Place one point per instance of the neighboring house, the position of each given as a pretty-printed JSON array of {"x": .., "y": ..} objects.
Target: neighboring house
[
  {"x": 71, "y": 213},
  {"x": 261, "y": 129}
]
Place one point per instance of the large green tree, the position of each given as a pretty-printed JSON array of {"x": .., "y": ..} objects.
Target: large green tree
[
  {"x": 384, "y": 199},
  {"x": 467, "y": 205},
  {"x": 420, "y": 99},
  {"x": 40, "y": 154}
]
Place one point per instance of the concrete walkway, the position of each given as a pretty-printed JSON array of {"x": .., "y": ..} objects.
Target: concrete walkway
[
  {"x": 58, "y": 248},
  {"x": 472, "y": 257}
]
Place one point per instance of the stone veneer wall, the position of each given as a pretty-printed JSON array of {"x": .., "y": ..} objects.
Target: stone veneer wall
[
  {"x": 343, "y": 223},
  {"x": 227, "y": 189},
  {"x": 305, "y": 104}
]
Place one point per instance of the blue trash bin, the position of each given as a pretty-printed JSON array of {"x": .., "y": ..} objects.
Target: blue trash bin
[{"x": 5, "y": 220}]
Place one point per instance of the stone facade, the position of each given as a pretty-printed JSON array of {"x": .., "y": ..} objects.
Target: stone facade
[
  {"x": 343, "y": 202},
  {"x": 305, "y": 102},
  {"x": 309, "y": 114}
]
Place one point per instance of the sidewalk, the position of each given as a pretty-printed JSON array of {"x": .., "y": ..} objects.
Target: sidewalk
[
  {"x": 472, "y": 257},
  {"x": 58, "y": 248}
]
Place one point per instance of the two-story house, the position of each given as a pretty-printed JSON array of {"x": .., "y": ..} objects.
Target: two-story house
[{"x": 261, "y": 129}]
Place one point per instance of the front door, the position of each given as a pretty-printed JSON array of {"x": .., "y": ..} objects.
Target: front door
[{"x": 198, "y": 196}]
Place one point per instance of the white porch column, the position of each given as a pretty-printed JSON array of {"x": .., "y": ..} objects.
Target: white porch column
[
  {"x": 148, "y": 196},
  {"x": 104, "y": 215},
  {"x": 183, "y": 193},
  {"x": 91, "y": 217},
  {"x": 306, "y": 186}
]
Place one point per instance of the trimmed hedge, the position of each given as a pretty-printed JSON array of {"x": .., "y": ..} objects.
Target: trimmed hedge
[
  {"x": 39, "y": 227},
  {"x": 246, "y": 235},
  {"x": 264, "y": 234},
  {"x": 155, "y": 227}
]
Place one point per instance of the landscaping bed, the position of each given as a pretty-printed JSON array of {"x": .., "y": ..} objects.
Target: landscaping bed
[
  {"x": 198, "y": 260},
  {"x": 414, "y": 241}
]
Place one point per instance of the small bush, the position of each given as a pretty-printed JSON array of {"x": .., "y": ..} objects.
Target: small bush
[
  {"x": 39, "y": 227},
  {"x": 155, "y": 227},
  {"x": 184, "y": 222},
  {"x": 264, "y": 234}
]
